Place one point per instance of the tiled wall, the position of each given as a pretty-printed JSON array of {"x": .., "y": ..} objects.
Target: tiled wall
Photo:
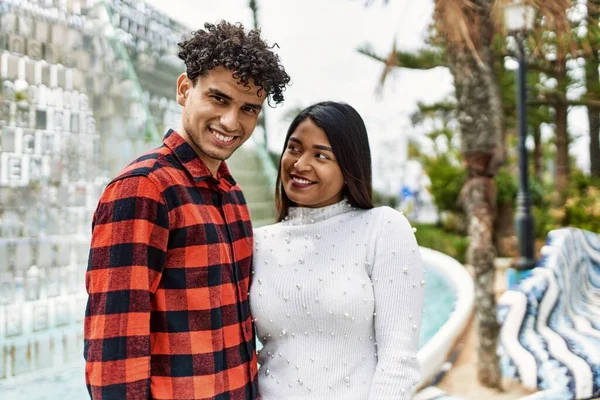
[{"x": 78, "y": 80}]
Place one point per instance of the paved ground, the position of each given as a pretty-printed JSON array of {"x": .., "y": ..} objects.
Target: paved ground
[
  {"x": 461, "y": 380},
  {"x": 69, "y": 384}
]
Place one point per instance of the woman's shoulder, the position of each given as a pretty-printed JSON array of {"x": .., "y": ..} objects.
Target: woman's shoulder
[
  {"x": 385, "y": 215},
  {"x": 266, "y": 229},
  {"x": 386, "y": 212}
]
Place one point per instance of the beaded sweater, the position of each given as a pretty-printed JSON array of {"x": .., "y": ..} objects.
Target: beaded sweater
[{"x": 337, "y": 300}]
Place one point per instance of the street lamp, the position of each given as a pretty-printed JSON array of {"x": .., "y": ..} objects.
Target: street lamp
[{"x": 519, "y": 19}]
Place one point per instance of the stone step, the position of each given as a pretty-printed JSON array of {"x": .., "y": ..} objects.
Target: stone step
[
  {"x": 248, "y": 170},
  {"x": 258, "y": 193},
  {"x": 251, "y": 177},
  {"x": 244, "y": 160},
  {"x": 262, "y": 210}
]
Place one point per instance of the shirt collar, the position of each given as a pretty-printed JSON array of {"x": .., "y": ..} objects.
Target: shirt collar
[{"x": 193, "y": 164}]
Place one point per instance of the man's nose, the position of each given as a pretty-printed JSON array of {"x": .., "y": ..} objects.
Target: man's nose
[{"x": 229, "y": 120}]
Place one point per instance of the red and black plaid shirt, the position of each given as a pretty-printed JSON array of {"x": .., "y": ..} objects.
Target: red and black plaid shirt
[{"x": 168, "y": 280}]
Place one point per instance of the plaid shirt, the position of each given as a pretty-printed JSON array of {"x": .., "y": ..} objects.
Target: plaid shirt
[{"x": 168, "y": 280}]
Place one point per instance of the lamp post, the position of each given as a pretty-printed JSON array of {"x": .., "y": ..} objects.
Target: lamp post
[{"x": 519, "y": 19}]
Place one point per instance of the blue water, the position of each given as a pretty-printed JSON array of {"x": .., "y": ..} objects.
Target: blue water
[
  {"x": 440, "y": 300},
  {"x": 69, "y": 382}
]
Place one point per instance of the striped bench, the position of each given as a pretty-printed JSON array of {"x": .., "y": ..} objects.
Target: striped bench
[{"x": 550, "y": 335}]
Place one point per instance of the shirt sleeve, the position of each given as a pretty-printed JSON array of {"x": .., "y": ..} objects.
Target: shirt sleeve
[
  {"x": 398, "y": 284},
  {"x": 128, "y": 249}
]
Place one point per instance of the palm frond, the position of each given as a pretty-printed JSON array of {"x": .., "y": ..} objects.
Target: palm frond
[
  {"x": 458, "y": 22},
  {"x": 367, "y": 50},
  {"x": 422, "y": 59},
  {"x": 461, "y": 22},
  {"x": 389, "y": 64}
]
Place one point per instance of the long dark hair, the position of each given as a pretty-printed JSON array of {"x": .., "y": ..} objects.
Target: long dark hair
[{"x": 349, "y": 140}]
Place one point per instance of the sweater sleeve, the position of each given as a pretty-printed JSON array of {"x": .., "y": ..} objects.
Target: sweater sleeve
[{"x": 398, "y": 283}]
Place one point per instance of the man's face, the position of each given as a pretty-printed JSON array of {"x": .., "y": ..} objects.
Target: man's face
[{"x": 219, "y": 114}]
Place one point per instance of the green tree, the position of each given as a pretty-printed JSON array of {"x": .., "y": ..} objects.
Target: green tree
[
  {"x": 556, "y": 57},
  {"x": 443, "y": 163},
  {"x": 593, "y": 82}
]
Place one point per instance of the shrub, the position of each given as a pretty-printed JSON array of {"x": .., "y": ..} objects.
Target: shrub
[
  {"x": 447, "y": 179},
  {"x": 452, "y": 244}
]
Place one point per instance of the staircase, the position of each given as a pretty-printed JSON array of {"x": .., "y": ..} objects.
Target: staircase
[{"x": 254, "y": 172}]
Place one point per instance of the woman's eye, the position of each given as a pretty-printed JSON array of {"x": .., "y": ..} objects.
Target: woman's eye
[{"x": 322, "y": 156}]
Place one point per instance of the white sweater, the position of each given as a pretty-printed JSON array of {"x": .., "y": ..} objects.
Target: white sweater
[{"x": 337, "y": 298}]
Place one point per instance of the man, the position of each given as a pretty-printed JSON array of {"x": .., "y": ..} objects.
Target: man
[{"x": 171, "y": 253}]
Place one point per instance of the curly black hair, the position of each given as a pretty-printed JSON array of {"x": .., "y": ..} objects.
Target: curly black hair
[{"x": 245, "y": 54}]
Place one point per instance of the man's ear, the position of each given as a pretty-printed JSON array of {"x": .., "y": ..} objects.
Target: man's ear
[{"x": 184, "y": 85}]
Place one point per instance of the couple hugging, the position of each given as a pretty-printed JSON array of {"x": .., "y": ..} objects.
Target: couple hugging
[{"x": 180, "y": 286}]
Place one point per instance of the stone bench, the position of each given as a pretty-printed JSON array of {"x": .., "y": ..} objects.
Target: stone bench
[{"x": 550, "y": 335}]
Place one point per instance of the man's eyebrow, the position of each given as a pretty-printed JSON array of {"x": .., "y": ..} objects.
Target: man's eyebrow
[
  {"x": 217, "y": 92},
  {"x": 257, "y": 107}
]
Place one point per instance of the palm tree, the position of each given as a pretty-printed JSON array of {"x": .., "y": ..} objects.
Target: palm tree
[
  {"x": 471, "y": 60},
  {"x": 468, "y": 30}
]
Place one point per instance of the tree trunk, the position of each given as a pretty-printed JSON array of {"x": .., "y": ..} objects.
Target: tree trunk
[
  {"x": 562, "y": 149},
  {"x": 593, "y": 86},
  {"x": 480, "y": 118},
  {"x": 561, "y": 173},
  {"x": 594, "y": 117},
  {"x": 478, "y": 196},
  {"x": 537, "y": 152},
  {"x": 505, "y": 238}
]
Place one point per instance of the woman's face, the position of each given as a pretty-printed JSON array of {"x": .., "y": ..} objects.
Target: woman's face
[{"x": 310, "y": 174}]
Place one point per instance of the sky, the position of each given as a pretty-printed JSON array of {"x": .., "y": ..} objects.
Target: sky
[{"x": 317, "y": 45}]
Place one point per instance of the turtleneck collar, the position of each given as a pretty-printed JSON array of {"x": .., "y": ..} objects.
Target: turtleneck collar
[{"x": 307, "y": 215}]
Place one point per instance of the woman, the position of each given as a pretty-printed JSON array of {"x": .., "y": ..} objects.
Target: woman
[{"x": 337, "y": 291}]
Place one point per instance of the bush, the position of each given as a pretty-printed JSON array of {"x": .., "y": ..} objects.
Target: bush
[
  {"x": 447, "y": 180},
  {"x": 506, "y": 187},
  {"x": 449, "y": 243},
  {"x": 543, "y": 222},
  {"x": 581, "y": 209},
  {"x": 453, "y": 222}
]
